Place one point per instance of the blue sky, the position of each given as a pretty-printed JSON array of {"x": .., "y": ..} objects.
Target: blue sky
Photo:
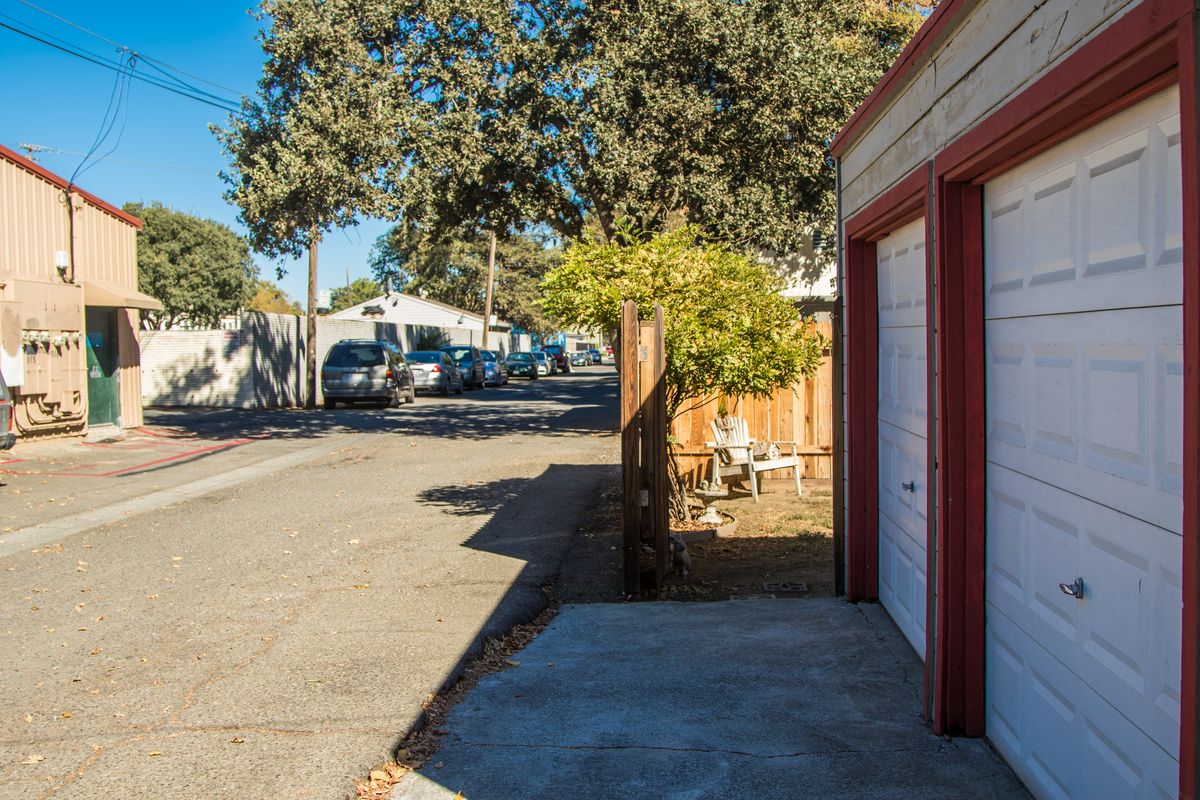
[{"x": 57, "y": 100}]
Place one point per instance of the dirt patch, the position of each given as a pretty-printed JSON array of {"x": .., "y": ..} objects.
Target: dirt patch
[{"x": 783, "y": 546}]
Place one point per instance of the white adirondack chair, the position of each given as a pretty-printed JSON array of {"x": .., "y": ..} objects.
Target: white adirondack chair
[{"x": 733, "y": 454}]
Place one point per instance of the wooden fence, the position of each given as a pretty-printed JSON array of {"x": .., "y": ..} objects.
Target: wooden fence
[{"x": 803, "y": 414}]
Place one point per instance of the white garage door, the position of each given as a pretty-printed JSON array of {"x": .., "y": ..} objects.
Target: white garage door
[
  {"x": 1083, "y": 282},
  {"x": 903, "y": 429}
]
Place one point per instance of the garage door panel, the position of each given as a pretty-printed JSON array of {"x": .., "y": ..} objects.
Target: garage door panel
[
  {"x": 1060, "y": 736},
  {"x": 902, "y": 582},
  {"x": 903, "y": 382},
  {"x": 901, "y": 276},
  {"x": 1122, "y": 638},
  {"x": 1093, "y": 403},
  {"x": 1092, "y": 224},
  {"x": 902, "y": 460}
]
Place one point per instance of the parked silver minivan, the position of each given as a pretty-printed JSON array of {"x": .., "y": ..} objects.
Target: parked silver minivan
[{"x": 366, "y": 369}]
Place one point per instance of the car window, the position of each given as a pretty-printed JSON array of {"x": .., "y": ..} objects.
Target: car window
[
  {"x": 350, "y": 356},
  {"x": 487, "y": 355},
  {"x": 525, "y": 357},
  {"x": 425, "y": 357},
  {"x": 459, "y": 353}
]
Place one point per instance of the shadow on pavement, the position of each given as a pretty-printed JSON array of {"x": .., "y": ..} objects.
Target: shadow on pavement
[{"x": 562, "y": 406}]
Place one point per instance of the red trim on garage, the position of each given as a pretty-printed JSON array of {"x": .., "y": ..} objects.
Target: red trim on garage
[
  {"x": 1135, "y": 56},
  {"x": 930, "y": 33},
  {"x": 1189, "y": 108},
  {"x": 903, "y": 203},
  {"x": 961, "y": 434},
  {"x": 62, "y": 183}
]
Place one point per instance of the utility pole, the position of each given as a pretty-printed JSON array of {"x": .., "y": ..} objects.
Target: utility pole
[
  {"x": 487, "y": 298},
  {"x": 310, "y": 346}
]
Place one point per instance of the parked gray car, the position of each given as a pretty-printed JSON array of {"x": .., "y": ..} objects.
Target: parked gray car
[
  {"x": 7, "y": 437},
  {"x": 435, "y": 371},
  {"x": 469, "y": 362},
  {"x": 366, "y": 369},
  {"x": 495, "y": 371}
]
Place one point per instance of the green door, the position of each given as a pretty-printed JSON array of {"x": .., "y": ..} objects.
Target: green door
[{"x": 104, "y": 397}]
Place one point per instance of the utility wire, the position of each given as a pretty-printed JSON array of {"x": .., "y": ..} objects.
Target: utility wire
[
  {"x": 122, "y": 103},
  {"x": 119, "y": 46},
  {"x": 59, "y": 151},
  {"x": 224, "y": 105},
  {"x": 111, "y": 110}
]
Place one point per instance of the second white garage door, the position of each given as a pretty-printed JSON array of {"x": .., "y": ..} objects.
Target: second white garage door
[
  {"x": 903, "y": 429},
  {"x": 1083, "y": 283}
]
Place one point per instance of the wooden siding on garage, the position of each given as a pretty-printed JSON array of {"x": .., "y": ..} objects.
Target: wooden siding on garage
[{"x": 802, "y": 413}]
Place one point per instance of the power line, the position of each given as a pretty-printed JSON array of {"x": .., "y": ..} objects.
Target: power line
[
  {"x": 119, "y": 46},
  {"x": 226, "y": 106},
  {"x": 59, "y": 151}
]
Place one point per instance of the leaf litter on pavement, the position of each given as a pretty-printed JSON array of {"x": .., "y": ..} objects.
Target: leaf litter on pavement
[{"x": 421, "y": 745}]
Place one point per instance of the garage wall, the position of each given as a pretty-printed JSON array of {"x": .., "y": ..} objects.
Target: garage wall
[{"x": 996, "y": 51}]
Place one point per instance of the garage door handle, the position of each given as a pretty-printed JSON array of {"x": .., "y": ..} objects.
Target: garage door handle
[
  {"x": 1073, "y": 589},
  {"x": 909, "y": 486}
]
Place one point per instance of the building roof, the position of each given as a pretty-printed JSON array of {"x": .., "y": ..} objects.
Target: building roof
[
  {"x": 382, "y": 299},
  {"x": 62, "y": 183}
]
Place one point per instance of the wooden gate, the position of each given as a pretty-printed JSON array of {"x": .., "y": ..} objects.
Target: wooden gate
[{"x": 642, "y": 365}]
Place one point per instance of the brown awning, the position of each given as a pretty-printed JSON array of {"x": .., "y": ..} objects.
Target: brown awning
[{"x": 103, "y": 293}]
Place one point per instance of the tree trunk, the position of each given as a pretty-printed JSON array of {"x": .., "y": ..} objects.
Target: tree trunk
[
  {"x": 487, "y": 301},
  {"x": 677, "y": 491},
  {"x": 310, "y": 346}
]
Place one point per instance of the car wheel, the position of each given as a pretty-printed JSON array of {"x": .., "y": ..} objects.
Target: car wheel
[
  {"x": 446, "y": 388},
  {"x": 394, "y": 401},
  {"x": 330, "y": 405},
  {"x": 459, "y": 390},
  {"x": 412, "y": 395}
]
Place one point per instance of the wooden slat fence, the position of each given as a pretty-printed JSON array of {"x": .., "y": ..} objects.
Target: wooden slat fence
[{"x": 803, "y": 413}]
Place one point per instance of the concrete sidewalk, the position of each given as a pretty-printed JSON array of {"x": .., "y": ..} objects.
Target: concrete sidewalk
[{"x": 738, "y": 699}]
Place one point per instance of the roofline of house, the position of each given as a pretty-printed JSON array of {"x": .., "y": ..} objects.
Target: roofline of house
[
  {"x": 62, "y": 183},
  {"x": 933, "y": 31},
  {"x": 446, "y": 306}
]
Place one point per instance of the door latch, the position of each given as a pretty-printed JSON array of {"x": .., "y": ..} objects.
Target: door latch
[{"x": 1073, "y": 589}]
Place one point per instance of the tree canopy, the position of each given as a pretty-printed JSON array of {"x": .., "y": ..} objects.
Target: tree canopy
[
  {"x": 360, "y": 290},
  {"x": 199, "y": 269},
  {"x": 496, "y": 115},
  {"x": 728, "y": 327},
  {"x": 272, "y": 299},
  {"x": 453, "y": 269}
]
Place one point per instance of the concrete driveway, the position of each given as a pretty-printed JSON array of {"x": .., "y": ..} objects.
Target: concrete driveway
[
  {"x": 275, "y": 635},
  {"x": 736, "y": 700}
]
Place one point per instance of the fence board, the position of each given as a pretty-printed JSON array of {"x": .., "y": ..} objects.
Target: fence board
[{"x": 802, "y": 413}]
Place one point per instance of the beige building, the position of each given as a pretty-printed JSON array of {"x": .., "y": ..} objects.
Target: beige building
[{"x": 68, "y": 304}]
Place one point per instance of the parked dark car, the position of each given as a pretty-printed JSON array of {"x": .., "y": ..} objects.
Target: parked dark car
[
  {"x": 7, "y": 437},
  {"x": 595, "y": 354},
  {"x": 366, "y": 369},
  {"x": 470, "y": 362},
  {"x": 494, "y": 370},
  {"x": 522, "y": 364},
  {"x": 559, "y": 355},
  {"x": 435, "y": 371}
]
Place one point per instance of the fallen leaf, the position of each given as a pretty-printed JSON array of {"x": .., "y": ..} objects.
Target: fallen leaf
[
  {"x": 177, "y": 558},
  {"x": 378, "y": 775},
  {"x": 237, "y": 740},
  {"x": 34, "y": 759},
  {"x": 65, "y": 715},
  {"x": 96, "y": 651},
  {"x": 459, "y": 796},
  {"x": 153, "y": 753},
  {"x": 81, "y": 566},
  {"x": 512, "y": 662},
  {"x": 29, "y": 717},
  {"x": 362, "y": 586},
  {"x": 353, "y": 541},
  {"x": 438, "y": 765}
]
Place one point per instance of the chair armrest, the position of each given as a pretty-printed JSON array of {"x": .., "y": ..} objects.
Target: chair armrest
[{"x": 716, "y": 446}]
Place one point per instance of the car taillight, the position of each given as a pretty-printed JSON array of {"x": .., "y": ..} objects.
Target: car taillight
[
  {"x": 435, "y": 368},
  {"x": 390, "y": 376}
]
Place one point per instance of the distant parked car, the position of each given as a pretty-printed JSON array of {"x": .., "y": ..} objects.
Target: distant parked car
[
  {"x": 470, "y": 362},
  {"x": 7, "y": 437},
  {"x": 523, "y": 364},
  {"x": 544, "y": 363},
  {"x": 581, "y": 358},
  {"x": 595, "y": 354},
  {"x": 494, "y": 370},
  {"x": 560, "y": 357},
  {"x": 366, "y": 369},
  {"x": 435, "y": 371}
]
